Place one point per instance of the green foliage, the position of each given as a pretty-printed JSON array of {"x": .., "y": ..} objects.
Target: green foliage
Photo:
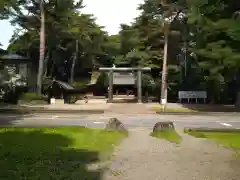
[
  {"x": 12, "y": 95},
  {"x": 203, "y": 47},
  {"x": 103, "y": 80},
  {"x": 216, "y": 37},
  {"x": 28, "y": 97},
  {"x": 63, "y": 26},
  {"x": 71, "y": 99},
  {"x": 9, "y": 8},
  {"x": 79, "y": 84},
  {"x": 54, "y": 153}
]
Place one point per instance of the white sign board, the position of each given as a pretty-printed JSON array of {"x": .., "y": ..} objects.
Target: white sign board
[
  {"x": 163, "y": 101},
  {"x": 123, "y": 78},
  {"x": 52, "y": 101},
  {"x": 192, "y": 94}
]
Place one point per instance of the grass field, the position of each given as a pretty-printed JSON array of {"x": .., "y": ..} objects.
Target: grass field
[
  {"x": 227, "y": 139},
  {"x": 169, "y": 135},
  {"x": 196, "y": 108},
  {"x": 159, "y": 109},
  {"x": 53, "y": 153}
]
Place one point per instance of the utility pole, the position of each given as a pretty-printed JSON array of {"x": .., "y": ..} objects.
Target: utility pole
[
  {"x": 41, "y": 48},
  {"x": 73, "y": 63},
  {"x": 164, "y": 68},
  {"x": 164, "y": 65}
]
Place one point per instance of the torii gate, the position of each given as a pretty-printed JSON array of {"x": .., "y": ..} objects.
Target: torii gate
[{"x": 113, "y": 69}]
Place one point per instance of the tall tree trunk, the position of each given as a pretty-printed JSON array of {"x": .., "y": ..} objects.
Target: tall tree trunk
[
  {"x": 41, "y": 49},
  {"x": 45, "y": 69},
  {"x": 185, "y": 48},
  {"x": 73, "y": 63}
]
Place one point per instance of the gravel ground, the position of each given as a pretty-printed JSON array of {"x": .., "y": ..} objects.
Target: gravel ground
[{"x": 142, "y": 157}]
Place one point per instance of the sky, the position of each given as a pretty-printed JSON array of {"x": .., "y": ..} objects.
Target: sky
[{"x": 109, "y": 13}]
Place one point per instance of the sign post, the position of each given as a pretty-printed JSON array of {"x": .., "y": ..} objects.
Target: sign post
[
  {"x": 139, "y": 86},
  {"x": 110, "y": 87}
]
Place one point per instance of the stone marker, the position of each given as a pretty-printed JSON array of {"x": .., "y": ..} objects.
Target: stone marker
[
  {"x": 161, "y": 126},
  {"x": 115, "y": 124}
]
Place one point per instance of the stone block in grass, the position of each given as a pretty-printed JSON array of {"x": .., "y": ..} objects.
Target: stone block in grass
[
  {"x": 116, "y": 125},
  {"x": 162, "y": 126},
  {"x": 166, "y": 130}
]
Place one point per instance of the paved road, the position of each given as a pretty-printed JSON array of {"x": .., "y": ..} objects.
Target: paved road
[{"x": 130, "y": 121}]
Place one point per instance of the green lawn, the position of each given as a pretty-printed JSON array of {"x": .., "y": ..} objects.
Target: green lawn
[
  {"x": 53, "y": 153},
  {"x": 195, "y": 109},
  {"x": 169, "y": 135},
  {"x": 172, "y": 110},
  {"x": 227, "y": 139}
]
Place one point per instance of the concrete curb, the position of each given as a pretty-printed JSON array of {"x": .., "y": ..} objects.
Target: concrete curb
[
  {"x": 210, "y": 130},
  {"x": 44, "y": 110},
  {"x": 198, "y": 113}
]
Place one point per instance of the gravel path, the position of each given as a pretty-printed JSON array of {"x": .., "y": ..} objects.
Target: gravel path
[{"x": 142, "y": 157}]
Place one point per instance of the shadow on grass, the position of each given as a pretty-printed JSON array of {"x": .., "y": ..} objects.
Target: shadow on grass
[
  {"x": 35, "y": 154},
  {"x": 227, "y": 139},
  {"x": 196, "y": 134},
  {"x": 210, "y": 108}
]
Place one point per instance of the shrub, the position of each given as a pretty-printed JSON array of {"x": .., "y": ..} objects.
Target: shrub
[
  {"x": 32, "y": 97},
  {"x": 71, "y": 99},
  {"x": 79, "y": 84},
  {"x": 12, "y": 95}
]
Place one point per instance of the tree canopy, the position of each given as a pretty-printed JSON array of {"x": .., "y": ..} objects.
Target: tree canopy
[{"x": 204, "y": 51}]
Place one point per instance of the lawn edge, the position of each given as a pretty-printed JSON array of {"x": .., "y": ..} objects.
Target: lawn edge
[
  {"x": 201, "y": 131},
  {"x": 155, "y": 135},
  {"x": 188, "y": 130}
]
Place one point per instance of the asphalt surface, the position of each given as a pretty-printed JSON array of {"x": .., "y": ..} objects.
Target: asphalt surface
[{"x": 230, "y": 120}]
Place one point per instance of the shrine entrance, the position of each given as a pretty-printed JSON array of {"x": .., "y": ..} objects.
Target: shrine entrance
[{"x": 125, "y": 76}]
